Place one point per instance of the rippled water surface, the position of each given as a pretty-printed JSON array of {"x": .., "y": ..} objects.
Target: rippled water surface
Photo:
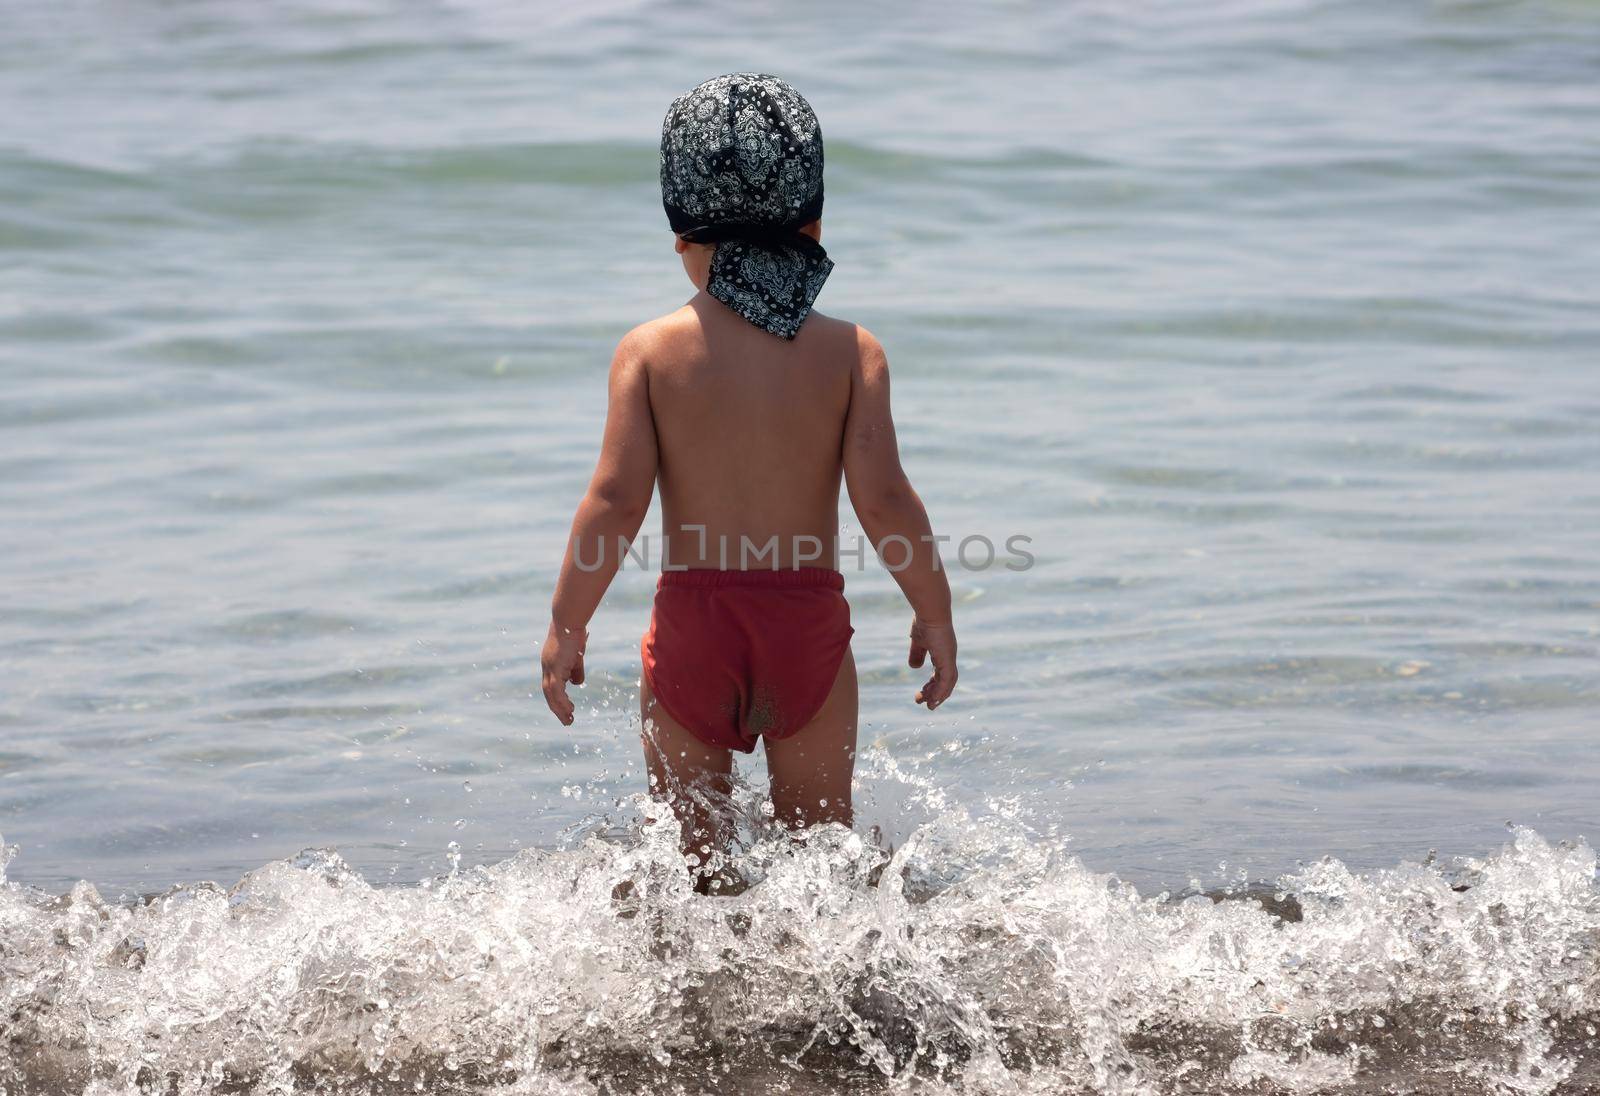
[{"x": 1272, "y": 324}]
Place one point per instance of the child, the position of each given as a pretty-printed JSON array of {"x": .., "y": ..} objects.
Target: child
[{"x": 746, "y": 406}]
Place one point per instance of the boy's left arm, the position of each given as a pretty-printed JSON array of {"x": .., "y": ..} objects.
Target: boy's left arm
[{"x": 608, "y": 517}]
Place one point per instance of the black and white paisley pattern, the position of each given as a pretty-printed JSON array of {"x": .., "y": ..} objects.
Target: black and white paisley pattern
[{"x": 741, "y": 168}]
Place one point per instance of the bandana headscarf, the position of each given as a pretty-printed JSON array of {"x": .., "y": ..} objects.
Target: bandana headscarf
[{"x": 741, "y": 168}]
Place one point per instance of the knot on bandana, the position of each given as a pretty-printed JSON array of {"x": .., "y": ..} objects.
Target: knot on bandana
[{"x": 741, "y": 168}]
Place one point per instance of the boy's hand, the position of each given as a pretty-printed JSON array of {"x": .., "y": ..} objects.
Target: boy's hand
[
  {"x": 938, "y": 640},
  {"x": 561, "y": 661}
]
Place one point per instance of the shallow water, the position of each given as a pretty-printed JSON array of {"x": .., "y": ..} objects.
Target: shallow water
[{"x": 1271, "y": 324}]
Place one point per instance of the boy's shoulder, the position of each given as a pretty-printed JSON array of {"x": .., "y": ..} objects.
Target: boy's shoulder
[
  {"x": 659, "y": 337},
  {"x": 844, "y": 332},
  {"x": 682, "y": 331}
]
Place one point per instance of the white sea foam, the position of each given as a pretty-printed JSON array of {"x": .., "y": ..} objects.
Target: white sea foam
[{"x": 977, "y": 957}]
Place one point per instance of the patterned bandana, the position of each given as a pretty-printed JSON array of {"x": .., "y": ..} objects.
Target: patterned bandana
[{"x": 741, "y": 168}]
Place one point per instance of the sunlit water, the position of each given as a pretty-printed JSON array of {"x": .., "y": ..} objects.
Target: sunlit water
[{"x": 1272, "y": 325}]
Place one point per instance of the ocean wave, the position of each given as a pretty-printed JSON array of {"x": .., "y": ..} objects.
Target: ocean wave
[{"x": 978, "y": 956}]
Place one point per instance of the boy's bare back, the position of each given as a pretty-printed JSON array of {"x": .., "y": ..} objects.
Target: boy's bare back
[{"x": 749, "y": 435}]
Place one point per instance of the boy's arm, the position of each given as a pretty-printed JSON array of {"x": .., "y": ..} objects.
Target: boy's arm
[
  {"x": 889, "y": 509},
  {"x": 611, "y": 512}
]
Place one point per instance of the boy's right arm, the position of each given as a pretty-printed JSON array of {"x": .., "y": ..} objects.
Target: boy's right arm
[
  {"x": 889, "y": 510},
  {"x": 608, "y": 517}
]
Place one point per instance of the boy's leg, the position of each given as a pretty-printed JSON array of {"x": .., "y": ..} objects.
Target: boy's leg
[
  {"x": 693, "y": 777},
  {"x": 811, "y": 768}
]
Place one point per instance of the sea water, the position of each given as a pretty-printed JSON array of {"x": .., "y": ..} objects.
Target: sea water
[{"x": 1271, "y": 326}]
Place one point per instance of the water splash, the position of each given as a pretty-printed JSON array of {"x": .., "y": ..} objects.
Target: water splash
[{"x": 978, "y": 957}]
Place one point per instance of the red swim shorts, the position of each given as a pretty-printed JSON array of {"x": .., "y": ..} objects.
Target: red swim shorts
[{"x": 736, "y": 654}]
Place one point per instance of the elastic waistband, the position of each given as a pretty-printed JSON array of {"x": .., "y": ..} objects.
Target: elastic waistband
[{"x": 707, "y": 577}]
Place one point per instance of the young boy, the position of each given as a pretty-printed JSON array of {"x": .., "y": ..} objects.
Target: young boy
[{"x": 746, "y": 406}]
